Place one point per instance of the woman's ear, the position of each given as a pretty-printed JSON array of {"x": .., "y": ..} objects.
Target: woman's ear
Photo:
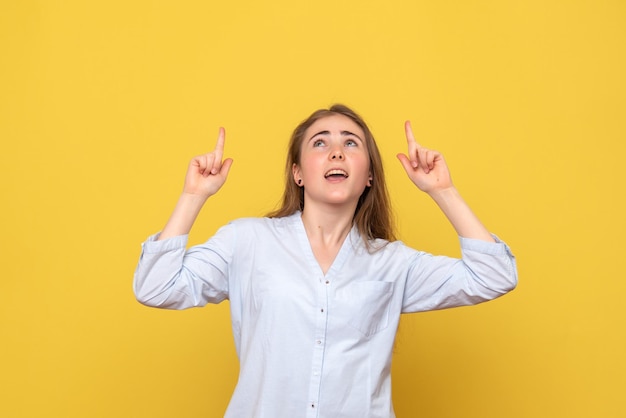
[
  {"x": 297, "y": 177},
  {"x": 369, "y": 181}
]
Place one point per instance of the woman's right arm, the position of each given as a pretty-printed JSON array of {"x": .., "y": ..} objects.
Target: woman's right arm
[
  {"x": 206, "y": 174},
  {"x": 166, "y": 276}
]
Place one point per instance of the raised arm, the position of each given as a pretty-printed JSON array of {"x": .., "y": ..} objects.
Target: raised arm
[
  {"x": 206, "y": 174},
  {"x": 428, "y": 170}
]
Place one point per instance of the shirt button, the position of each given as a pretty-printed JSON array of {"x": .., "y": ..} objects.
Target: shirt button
[
  {"x": 322, "y": 310},
  {"x": 327, "y": 282},
  {"x": 318, "y": 342}
]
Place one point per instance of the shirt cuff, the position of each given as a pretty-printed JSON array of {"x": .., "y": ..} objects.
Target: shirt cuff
[
  {"x": 494, "y": 248},
  {"x": 151, "y": 245}
]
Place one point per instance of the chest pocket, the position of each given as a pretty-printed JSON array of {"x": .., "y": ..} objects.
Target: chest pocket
[{"x": 365, "y": 305}]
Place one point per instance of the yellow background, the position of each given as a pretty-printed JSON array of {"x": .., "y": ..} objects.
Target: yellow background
[{"x": 102, "y": 104}]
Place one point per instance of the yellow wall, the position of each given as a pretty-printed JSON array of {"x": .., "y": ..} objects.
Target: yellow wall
[{"x": 103, "y": 103}]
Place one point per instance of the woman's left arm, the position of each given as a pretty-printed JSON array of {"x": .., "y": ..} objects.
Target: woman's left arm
[{"x": 428, "y": 170}]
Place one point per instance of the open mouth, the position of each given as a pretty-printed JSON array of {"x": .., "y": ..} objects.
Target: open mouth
[{"x": 336, "y": 173}]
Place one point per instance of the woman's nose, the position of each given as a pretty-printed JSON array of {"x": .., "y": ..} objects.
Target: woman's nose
[{"x": 336, "y": 154}]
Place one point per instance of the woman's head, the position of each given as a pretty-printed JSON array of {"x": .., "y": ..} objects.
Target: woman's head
[{"x": 373, "y": 212}]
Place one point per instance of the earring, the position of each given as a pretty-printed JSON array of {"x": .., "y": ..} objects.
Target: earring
[{"x": 299, "y": 182}]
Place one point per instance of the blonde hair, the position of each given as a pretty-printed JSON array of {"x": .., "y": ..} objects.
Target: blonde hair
[{"x": 372, "y": 216}]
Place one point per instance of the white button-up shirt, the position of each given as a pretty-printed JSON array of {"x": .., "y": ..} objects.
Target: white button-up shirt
[{"x": 312, "y": 344}]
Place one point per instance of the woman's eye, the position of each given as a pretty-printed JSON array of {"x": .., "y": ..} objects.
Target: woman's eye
[
  {"x": 351, "y": 143},
  {"x": 318, "y": 143}
]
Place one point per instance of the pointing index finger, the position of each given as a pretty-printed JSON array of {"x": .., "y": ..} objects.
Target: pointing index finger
[
  {"x": 409, "y": 133},
  {"x": 412, "y": 143},
  {"x": 219, "y": 151},
  {"x": 219, "y": 145}
]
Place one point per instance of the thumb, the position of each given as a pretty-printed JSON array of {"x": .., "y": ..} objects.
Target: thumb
[
  {"x": 226, "y": 167},
  {"x": 406, "y": 163}
]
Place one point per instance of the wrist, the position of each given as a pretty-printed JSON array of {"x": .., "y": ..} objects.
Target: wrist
[
  {"x": 444, "y": 195},
  {"x": 189, "y": 204},
  {"x": 192, "y": 199}
]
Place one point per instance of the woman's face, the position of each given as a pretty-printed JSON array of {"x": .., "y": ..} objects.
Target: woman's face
[{"x": 334, "y": 162}]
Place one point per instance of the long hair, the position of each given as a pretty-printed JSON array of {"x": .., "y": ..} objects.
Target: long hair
[{"x": 373, "y": 211}]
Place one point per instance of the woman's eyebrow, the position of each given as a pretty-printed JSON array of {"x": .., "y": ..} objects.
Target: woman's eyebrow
[
  {"x": 343, "y": 133},
  {"x": 348, "y": 133},
  {"x": 319, "y": 133}
]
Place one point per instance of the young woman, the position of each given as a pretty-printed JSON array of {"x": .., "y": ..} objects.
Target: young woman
[{"x": 316, "y": 288}]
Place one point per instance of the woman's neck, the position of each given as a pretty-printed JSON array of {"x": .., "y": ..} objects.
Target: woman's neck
[
  {"x": 326, "y": 231},
  {"x": 327, "y": 226}
]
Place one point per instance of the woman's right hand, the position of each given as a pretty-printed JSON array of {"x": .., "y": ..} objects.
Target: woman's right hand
[{"x": 207, "y": 173}]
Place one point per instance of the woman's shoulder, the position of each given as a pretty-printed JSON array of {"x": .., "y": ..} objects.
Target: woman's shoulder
[
  {"x": 248, "y": 232},
  {"x": 253, "y": 223},
  {"x": 383, "y": 248}
]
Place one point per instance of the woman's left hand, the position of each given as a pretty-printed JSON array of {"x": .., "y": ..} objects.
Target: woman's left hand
[{"x": 426, "y": 168}]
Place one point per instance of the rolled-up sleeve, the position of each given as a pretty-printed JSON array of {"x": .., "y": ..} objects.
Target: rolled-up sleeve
[
  {"x": 169, "y": 276},
  {"x": 484, "y": 272}
]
